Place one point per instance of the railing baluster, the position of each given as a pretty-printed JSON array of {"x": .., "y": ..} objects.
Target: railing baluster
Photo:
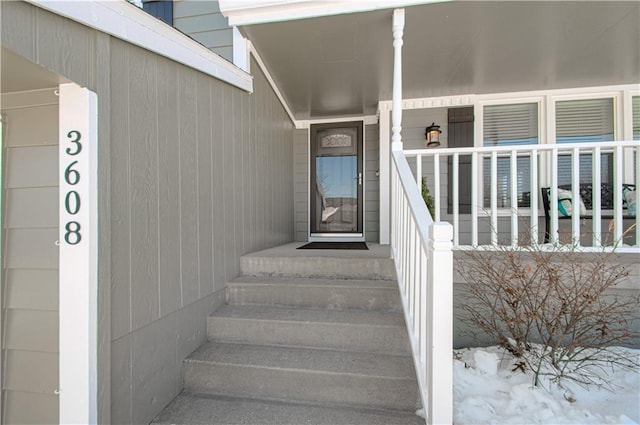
[
  {"x": 617, "y": 195},
  {"x": 436, "y": 186},
  {"x": 637, "y": 183},
  {"x": 596, "y": 198},
  {"x": 533, "y": 197},
  {"x": 553, "y": 197},
  {"x": 419, "y": 172},
  {"x": 514, "y": 198},
  {"x": 456, "y": 199},
  {"x": 423, "y": 306},
  {"x": 575, "y": 196},
  {"x": 494, "y": 198},
  {"x": 474, "y": 199}
]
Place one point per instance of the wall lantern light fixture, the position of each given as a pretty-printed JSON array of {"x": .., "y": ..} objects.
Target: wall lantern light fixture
[{"x": 432, "y": 134}]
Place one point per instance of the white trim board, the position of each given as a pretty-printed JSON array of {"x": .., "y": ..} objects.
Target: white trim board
[
  {"x": 507, "y": 97},
  {"x": 247, "y": 12},
  {"x": 132, "y": 24},
  {"x": 366, "y": 120}
]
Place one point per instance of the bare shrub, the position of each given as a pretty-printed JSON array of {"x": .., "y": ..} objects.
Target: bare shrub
[{"x": 557, "y": 298}]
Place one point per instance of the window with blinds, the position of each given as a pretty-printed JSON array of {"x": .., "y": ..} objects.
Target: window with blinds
[
  {"x": 581, "y": 121},
  {"x": 161, "y": 9},
  {"x": 635, "y": 102},
  {"x": 514, "y": 124}
]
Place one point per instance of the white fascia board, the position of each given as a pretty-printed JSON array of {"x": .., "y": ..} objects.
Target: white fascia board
[
  {"x": 132, "y": 24},
  {"x": 248, "y": 12},
  {"x": 251, "y": 49},
  {"x": 366, "y": 120}
]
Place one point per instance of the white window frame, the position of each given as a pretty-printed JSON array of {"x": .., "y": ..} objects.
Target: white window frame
[
  {"x": 617, "y": 121},
  {"x": 479, "y": 139}
]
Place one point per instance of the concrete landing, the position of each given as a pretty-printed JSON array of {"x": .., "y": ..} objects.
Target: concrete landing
[
  {"x": 288, "y": 261},
  {"x": 191, "y": 408}
]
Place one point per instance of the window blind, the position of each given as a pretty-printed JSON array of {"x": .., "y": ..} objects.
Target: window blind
[
  {"x": 515, "y": 124},
  {"x": 587, "y": 120},
  {"x": 579, "y": 121}
]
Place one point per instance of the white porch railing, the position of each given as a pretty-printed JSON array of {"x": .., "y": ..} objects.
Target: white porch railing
[
  {"x": 422, "y": 251},
  {"x": 539, "y": 168}
]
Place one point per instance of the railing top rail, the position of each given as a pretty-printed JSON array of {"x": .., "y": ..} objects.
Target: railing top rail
[
  {"x": 418, "y": 208},
  {"x": 525, "y": 148}
]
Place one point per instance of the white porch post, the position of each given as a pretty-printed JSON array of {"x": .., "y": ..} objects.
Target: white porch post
[
  {"x": 385, "y": 175},
  {"x": 78, "y": 255},
  {"x": 439, "y": 407},
  {"x": 396, "y": 110},
  {"x": 396, "y": 128}
]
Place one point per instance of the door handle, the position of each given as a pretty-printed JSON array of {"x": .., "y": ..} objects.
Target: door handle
[{"x": 360, "y": 179}]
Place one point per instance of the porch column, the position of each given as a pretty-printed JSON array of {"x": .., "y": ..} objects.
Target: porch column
[
  {"x": 396, "y": 127},
  {"x": 396, "y": 109}
]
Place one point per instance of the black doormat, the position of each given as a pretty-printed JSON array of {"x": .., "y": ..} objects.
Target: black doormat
[{"x": 335, "y": 245}]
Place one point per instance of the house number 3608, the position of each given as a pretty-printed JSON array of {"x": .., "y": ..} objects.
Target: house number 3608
[{"x": 72, "y": 199}]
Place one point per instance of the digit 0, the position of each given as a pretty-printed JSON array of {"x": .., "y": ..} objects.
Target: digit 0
[{"x": 72, "y": 202}]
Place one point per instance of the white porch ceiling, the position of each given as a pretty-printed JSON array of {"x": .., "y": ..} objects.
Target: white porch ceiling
[
  {"x": 18, "y": 74},
  {"x": 342, "y": 65}
]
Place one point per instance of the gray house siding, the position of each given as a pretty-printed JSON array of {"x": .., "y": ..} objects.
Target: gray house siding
[
  {"x": 301, "y": 184},
  {"x": 30, "y": 257},
  {"x": 193, "y": 173},
  {"x": 202, "y": 21},
  {"x": 372, "y": 183}
]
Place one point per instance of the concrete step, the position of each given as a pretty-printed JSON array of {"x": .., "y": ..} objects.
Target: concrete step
[
  {"x": 334, "y": 294},
  {"x": 340, "y": 329},
  {"x": 329, "y": 264},
  {"x": 347, "y": 378},
  {"x": 191, "y": 408}
]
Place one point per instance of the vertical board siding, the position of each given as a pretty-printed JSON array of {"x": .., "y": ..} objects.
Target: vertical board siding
[
  {"x": 218, "y": 189},
  {"x": 301, "y": 184},
  {"x": 120, "y": 193},
  {"x": 202, "y": 21},
  {"x": 169, "y": 273},
  {"x": 143, "y": 164},
  {"x": 205, "y": 215},
  {"x": 206, "y": 176},
  {"x": 30, "y": 258},
  {"x": 372, "y": 184},
  {"x": 188, "y": 202}
]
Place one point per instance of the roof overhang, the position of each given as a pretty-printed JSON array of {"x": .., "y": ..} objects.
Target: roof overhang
[
  {"x": 341, "y": 64},
  {"x": 250, "y": 12}
]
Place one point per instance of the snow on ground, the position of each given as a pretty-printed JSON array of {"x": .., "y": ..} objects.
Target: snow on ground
[{"x": 487, "y": 391}]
